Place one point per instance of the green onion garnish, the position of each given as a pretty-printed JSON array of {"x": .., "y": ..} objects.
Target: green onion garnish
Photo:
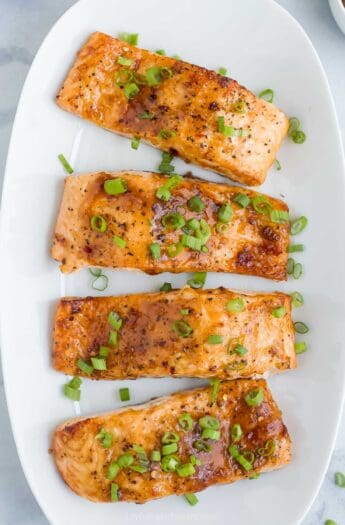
[
  {"x": 72, "y": 389},
  {"x": 330, "y": 522},
  {"x": 215, "y": 339},
  {"x": 297, "y": 271},
  {"x": 255, "y": 476},
  {"x": 267, "y": 94},
  {"x": 222, "y": 71},
  {"x": 170, "y": 437},
  {"x": 114, "y": 492},
  {"x": 339, "y": 479},
  {"x": 290, "y": 265},
  {"x": 96, "y": 272},
  {"x": 227, "y": 131},
  {"x": 124, "y": 394},
  {"x": 186, "y": 422},
  {"x": 155, "y": 250},
  {"x": 174, "y": 249},
  {"x": 279, "y": 216},
  {"x": 279, "y": 312},
  {"x": 215, "y": 383},
  {"x": 169, "y": 463},
  {"x": 139, "y": 468},
  {"x": 119, "y": 242},
  {"x": 255, "y": 397},
  {"x": 160, "y": 52},
  {"x": 103, "y": 351},
  {"x": 240, "y": 350},
  {"x": 105, "y": 437},
  {"x": 114, "y": 320},
  {"x": 277, "y": 165},
  {"x": 235, "y": 305},
  {"x": 191, "y": 498},
  {"x": 112, "y": 339},
  {"x": 168, "y": 449},
  {"x": 209, "y": 422},
  {"x": 130, "y": 38},
  {"x": 236, "y": 432},
  {"x": 301, "y": 347},
  {"x": 146, "y": 116},
  {"x": 300, "y": 328},
  {"x": 98, "y": 223},
  {"x": 239, "y": 107},
  {"x": 167, "y": 133},
  {"x": 99, "y": 363},
  {"x": 65, "y": 163},
  {"x": 166, "y": 287},
  {"x": 113, "y": 470},
  {"x": 184, "y": 311},
  {"x": 235, "y": 453},
  {"x": 123, "y": 77},
  {"x": 185, "y": 470},
  {"x": 131, "y": 90},
  {"x": 294, "y": 131},
  {"x": 191, "y": 242},
  {"x": 268, "y": 448},
  {"x": 125, "y": 460},
  {"x": 201, "y": 445},
  {"x": 298, "y": 225},
  {"x": 165, "y": 165},
  {"x": 241, "y": 199},
  {"x": 198, "y": 280},
  {"x": 224, "y": 213},
  {"x": 163, "y": 192},
  {"x": 155, "y": 455},
  {"x": 196, "y": 204},
  {"x": 173, "y": 221},
  {"x": 182, "y": 328},
  {"x": 293, "y": 248},
  {"x": 155, "y": 75},
  {"x": 261, "y": 204},
  {"x": 221, "y": 227},
  {"x": 123, "y": 61},
  {"x": 115, "y": 186},
  {"x": 297, "y": 299},
  {"x": 84, "y": 367},
  {"x": 135, "y": 142},
  {"x": 100, "y": 283}
]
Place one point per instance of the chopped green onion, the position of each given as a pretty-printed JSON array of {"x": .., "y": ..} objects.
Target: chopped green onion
[
  {"x": 99, "y": 363},
  {"x": 198, "y": 280},
  {"x": 114, "y": 320},
  {"x": 113, "y": 470},
  {"x": 239, "y": 107},
  {"x": 146, "y": 116},
  {"x": 163, "y": 192},
  {"x": 215, "y": 339},
  {"x": 177, "y": 57},
  {"x": 330, "y": 522},
  {"x": 221, "y": 227},
  {"x": 182, "y": 328},
  {"x": 301, "y": 328},
  {"x": 103, "y": 351},
  {"x": 115, "y": 186},
  {"x": 75, "y": 382},
  {"x": 155, "y": 75},
  {"x": 71, "y": 391},
  {"x": 222, "y": 71},
  {"x": 191, "y": 242},
  {"x": 297, "y": 135},
  {"x": 209, "y": 433},
  {"x": 84, "y": 367},
  {"x": 293, "y": 248},
  {"x": 235, "y": 305},
  {"x": 112, "y": 339},
  {"x": 155, "y": 250},
  {"x": 160, "y": 52},
  {"x": 191, "y": 498},
  {"x": 119, "y": 242},
  {"x": 277, "y": 165},
  {"x": 196, "y": 204},
  {"x": 267, "y": 94},
  {"x": 174, "y": 249},
  {"x": 297, "y": 271},
  {"x": 65, "y": 163},
  {"x": 255, "y": 476},
  {"x": 204, "y": 232},
  {"x": 202, "y": 445},
  {"x": 297, "y": 299},
  {"x": 184, "y": 311},
  {"x": 100, "y": 283},
  {"x": 268, "y": 448},
  {"x": 123, "y": 77},
  {"x": 123, "y": 61},
  {"x": 125, "y": 460},
  {"x": 236, "y": 432},
  {"x": 131, "y": 90},
  {"x": 135, "y": 142},
  {"x": 290, "y": 265},
  {"x": 114, "y": 492},
  {"x": 166, "y": 287},
  {"x": 339, "y": 479},
  {"x": 227, "y": 131},
  {"x": 234, "y": 453},
  {"x": 139, "y": 468},
  {"x": 241, "y": 199},
  {"x": 225, "y": 213},
  {"x": 170, "y": 437},
  {"x": 261, "y": 204},
  {"x": 124, "y": 394},
  {"x": 294, "y": 125},
  {"x": 186, "y": 422},
  {"x": 279, "y": 312},
  {"x": 169, "y": 449},
  {"x": 173, "y": 221},
  {"x": 279, "y": 216},
  {"x": 209, "y": 422},
  {"x": 169, "y": 463},
  {"x": 185, "y": 470},
  {"x": 298, "y": 225},
  {"x": 301, "y": 347},
  {"x": 165, "y": 165},
  {"x": 167, "y": 133},
  {"x": 192, "y": 225},
  {"x": 105, "y": 437},
  {"x": 130, "y": 38},
  {"x": 254, "y": 397},
  {"x": 155, "y": 455},
  {"x": 96, "y": 272},
  {"x": 215, "y": 383},
  {"x": 98, "y": 223},
  {"x": 240, "y": 350}
]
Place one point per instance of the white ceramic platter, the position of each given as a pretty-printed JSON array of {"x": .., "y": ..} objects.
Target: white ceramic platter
[{"x": 262, "y": 46}]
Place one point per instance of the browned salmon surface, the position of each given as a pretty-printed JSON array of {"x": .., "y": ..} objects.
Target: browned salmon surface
[
  {"x": 259, "y": 442},
  {"x": 174, "y": 107},
  {"x": 91, "y": 222},
  {"x": 184, "y": 332}
]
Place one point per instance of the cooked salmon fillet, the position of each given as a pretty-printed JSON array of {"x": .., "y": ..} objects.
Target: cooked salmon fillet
[
  {"x": 158, "y": 234},
  {"x": 260, "y": 442},
  {"x": 175, "y": 107},
  {"x": 184, "y": 332}
]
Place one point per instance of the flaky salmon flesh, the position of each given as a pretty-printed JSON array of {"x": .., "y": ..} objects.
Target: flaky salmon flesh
[
  {"x": 203, "y": 117},
  {"x": 174, "y": 445},
  {"x": 179, "y": 333},
  {"x": 156, "y": 223}
]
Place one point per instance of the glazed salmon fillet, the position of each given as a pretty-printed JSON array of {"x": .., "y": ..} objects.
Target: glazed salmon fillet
[
  {"x": 156, "y": 223},
  {"x": 179, "y": 333},
  {"x": 122, "y": 455},
  {"x": 203, "y": 117}
]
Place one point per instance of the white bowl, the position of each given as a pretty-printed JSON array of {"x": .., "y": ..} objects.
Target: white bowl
[{"x": 338, "y": 10}]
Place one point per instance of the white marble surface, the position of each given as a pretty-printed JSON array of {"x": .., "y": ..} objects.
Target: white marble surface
[{"x": 23, "y": 25}]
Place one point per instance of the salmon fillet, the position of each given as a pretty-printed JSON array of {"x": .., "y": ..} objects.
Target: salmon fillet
[
  {"x": 262, "y": 439},
  {"x": 179, "y": 113},
  {"x": 251, "y": 242},
  {"x": 151, "y": 339}
]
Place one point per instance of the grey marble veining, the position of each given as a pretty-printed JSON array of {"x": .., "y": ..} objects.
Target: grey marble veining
[{"x": 23, "y": 25}]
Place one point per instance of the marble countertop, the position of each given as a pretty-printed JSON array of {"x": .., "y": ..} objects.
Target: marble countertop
[{"x": 23, "y": 25}]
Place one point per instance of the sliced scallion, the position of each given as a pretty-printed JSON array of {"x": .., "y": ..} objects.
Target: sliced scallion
[
  {"x": 114, "y": 492},
  {"x": 135, "y": 142},
  {"x": 115, "y": 186},
  {"x": 300, "y": 347},
  {"x": 99, "y": 363},
  {"x": 222, "y": 71},
  {"x": 279, "y": 312},
  {"x": 131, "y": 90},
  {"x": 297, "y": 299},
  {"x": 300, "y": 328},
  {"x": 155, "y": 250},
  {"x": 84, "y": 367},
  {"x": 185, "y": 470},
  {"x": 67, "y": 167},
  {"x": 293, "y": 248},
  {"x": 182, "y": 328},
  {"x": 236, "y": 432},
  {"x": 185, "y": 421},
  {"x": 191, "y": 499},
  {"x": 98, "y": 223},
  {"x": 298, "y": 225},
  {"x": 225, "y": 213},
  {"x": 215, "y": 383},
  {"x": 235, "y": 305},
  {"x": 124, "y": 61},
  {"x": 198, "y": 280},
  {"x": 215, "y": 339},
  {"x": 130, "y": 38},
  {"x": 267, "y": 95},
  {"x": 166, "y": 287},
  {"x": 100, "y": 283},
  {"x": 241, "y": 199},
  {"x": 254, "y": 397},
  {"x": 121, "y": 243},
  {"x": 124, "y": 394}
]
